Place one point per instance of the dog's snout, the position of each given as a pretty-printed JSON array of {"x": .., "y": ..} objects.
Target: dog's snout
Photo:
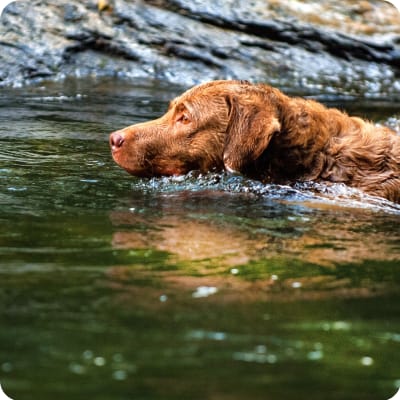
[{"x": 116, "y": 140}]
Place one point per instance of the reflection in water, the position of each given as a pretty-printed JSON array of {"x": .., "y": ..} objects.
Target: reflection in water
[
  {"x": 284, "y": 247},
  {"x": 328, "y": 237},
  {"x": 187, "y": 239}
]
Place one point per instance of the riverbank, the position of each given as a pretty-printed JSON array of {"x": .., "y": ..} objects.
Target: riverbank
[{"x": 348, "y": 48}]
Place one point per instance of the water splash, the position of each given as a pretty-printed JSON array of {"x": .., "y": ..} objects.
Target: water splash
[{"x": 309, "y": 193}]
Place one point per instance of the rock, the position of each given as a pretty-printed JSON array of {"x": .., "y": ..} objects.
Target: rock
[{"x": 309, "y": 46}]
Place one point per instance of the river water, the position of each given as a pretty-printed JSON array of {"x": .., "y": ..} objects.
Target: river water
[{"x": 195, "y": 287}]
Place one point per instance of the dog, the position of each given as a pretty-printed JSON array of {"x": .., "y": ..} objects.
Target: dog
[{"x": 258, "y": 131}]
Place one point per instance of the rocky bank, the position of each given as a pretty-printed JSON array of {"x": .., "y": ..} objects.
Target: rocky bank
[{"x": 332, "y": 47}]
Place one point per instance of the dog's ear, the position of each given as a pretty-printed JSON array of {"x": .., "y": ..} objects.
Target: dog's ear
[{"x": 252, "y": 123}]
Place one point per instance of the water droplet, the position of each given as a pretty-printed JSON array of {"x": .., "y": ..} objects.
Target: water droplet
[
  {"x": 253, "y": 357},
  {"x": 204, "y": 291},
  {"x": 217, "y": 336},
  {"x": 326, "y": 326},
  {"x": 261, "y": 349},
  {"x": 367, "y": 361},
  {"x": 315, "y": 355},
  {"x": 341, "y": 326},
  {"x": 89, "y": 180},
  {"x": 77, "y": 368},
  {"x": 99, "y": 361},
  {"x": 272, "y": 358},
  {"x": 119, "y": 375}
]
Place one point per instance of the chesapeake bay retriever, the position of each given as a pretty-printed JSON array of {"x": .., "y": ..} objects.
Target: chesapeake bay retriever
[{"x": 258, "y": 131}]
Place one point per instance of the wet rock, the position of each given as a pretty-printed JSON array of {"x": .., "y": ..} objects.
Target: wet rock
[{"x": 309, "y": 46}]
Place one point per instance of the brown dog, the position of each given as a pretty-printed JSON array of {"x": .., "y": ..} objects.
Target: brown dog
[{"x": 256, "y": 130}]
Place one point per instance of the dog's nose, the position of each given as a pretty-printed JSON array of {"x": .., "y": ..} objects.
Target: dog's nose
[{"x": 116, "y": 140}]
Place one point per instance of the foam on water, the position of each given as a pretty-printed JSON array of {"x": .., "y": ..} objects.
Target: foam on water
[{"x": 310, "y": 193}]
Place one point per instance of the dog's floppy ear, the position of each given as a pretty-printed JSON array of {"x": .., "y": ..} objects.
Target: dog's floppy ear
[{"x": 252, "y": 123}]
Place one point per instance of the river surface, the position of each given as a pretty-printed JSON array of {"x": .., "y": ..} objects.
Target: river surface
[{"x": 195, "y": 287}]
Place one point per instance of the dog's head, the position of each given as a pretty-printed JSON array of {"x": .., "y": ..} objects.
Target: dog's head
[{"x": 220, "y": 124}]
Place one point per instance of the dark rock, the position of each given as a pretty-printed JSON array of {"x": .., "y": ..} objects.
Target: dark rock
[{"x": 309, "y": 46}]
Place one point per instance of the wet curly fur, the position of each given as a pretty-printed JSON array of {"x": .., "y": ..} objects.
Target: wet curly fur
[{"x": 258, "y": 131}]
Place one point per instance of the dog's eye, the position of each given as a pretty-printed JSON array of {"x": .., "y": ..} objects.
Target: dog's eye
[{"x": 183, "y": 119}]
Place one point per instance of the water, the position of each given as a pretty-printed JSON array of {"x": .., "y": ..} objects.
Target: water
[{"x": 196, "y": 287}]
